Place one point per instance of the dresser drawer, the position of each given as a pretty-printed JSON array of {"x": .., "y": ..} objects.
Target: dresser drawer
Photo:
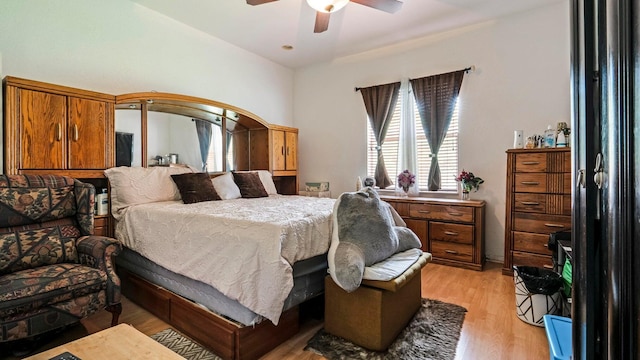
[
  {"x": 527, "y": 259},
  {"x": 535, "y": 203},
  {"x": 401, "y": 208},
  {"x": 451, "y": 251},
  {"x": 458, "y": 233},
  {"x": 100, "y": 226},
  {"x": 531, "y": 162},
  {"x": 530, "y": 242},
  {"x": 441, "y": 212},
  {"x": 542, "y": 203},
  {"x": 555, "y": 183},
  {"x": 540, "y": 223}
]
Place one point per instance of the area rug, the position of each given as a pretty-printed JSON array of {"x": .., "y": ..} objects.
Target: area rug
[
  {"x": 183, "y": 346},
  {"x": 433, "y": 333}
]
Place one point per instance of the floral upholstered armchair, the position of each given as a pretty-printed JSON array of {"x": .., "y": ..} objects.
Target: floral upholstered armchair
[{"x": 53, "y": 271}]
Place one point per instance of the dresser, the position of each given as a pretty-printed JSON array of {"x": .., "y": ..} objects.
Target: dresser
[
  {"x": 538, "y": 203},
  {"x": 451, "y": 230}
]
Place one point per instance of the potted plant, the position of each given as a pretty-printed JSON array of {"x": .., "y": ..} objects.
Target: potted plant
[{"x": 468, "y": 181}]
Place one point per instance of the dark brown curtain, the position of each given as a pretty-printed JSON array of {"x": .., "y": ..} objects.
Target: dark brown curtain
[
  {"x": 436, "y": 100},
  {"x": 380, "y": 101}
]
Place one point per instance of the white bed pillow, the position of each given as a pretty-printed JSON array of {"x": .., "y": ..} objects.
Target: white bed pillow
[
  {"x": 226, "y": 187},
  {"x": 267, "y": 182},
  {"x": 139, "y": 185},
  {"x": 266, "y": 179}
]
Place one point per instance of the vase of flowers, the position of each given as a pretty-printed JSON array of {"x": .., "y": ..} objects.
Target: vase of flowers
[
  {"x": 405, "y": 181},
  {"x": 468, "y": 181}
]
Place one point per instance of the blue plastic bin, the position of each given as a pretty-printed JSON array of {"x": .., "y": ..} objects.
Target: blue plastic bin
[{"x": 558, "y": 331}]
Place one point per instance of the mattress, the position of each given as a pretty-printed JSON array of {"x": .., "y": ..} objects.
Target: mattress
[
  {"x": 308, "y": 282},
  {"x": 244, "y": 248}
]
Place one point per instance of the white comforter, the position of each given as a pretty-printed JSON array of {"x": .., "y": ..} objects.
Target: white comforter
[{"x": 242, "y": 247}]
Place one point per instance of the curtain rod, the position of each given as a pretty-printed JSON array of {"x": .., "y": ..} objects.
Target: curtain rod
[{"x": 469, "y": 69}]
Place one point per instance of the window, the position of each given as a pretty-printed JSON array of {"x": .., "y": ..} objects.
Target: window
[{"x": 447, "y": 156}]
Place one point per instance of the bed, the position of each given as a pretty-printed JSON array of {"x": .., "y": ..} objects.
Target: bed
[{"x": 246, "y": 263}]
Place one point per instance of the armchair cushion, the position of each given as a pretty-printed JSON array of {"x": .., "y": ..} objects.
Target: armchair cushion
[
  {"x": 31, "y": 198},
  {"x": 32, "y": 289},
  {"x": 35, "y": 245}
]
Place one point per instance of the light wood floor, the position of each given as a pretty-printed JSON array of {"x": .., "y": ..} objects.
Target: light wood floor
[{"x": 491, "y": 329}]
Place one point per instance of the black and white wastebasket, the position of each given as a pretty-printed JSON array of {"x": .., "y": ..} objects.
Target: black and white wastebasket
[{"x": 537, "y": 293}]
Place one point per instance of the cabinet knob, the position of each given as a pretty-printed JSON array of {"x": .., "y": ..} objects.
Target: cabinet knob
[
  {"x": 529, "y": 203},
  {"x": 455, "y": 214},
  {"x": 58, "y": 132},
  {"x": 530, "y": 183},
  {"x": 75, "y": 132},
  {"x": 453, "y": 252},
  {"x": 452, "y": 233},
  {"x": 530, "y": 163}
]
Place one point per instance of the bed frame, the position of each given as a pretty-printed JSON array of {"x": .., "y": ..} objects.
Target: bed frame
[{"x": 228, "y": 339}]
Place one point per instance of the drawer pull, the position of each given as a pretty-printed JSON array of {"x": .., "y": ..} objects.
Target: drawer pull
[
  {"x": 452, "y": 252},
  {"x": 530, "y": 163},
  {"x": 530, "y": 183},
  {"x": 547, "y": 266},
  {"x": 452, "y": 233},
  {"x": 75, "y": 132},
  {"x": 529, "y": 203},
  {"x": 424, "y": 211},
  {"x": 58, "y": 132},
  {"x": 546, "y": 245},
  {"x": 554, "y": 225},
  {"x": 456, "y": 214}
]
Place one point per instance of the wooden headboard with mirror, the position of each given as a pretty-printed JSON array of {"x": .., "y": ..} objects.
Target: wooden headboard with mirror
[{"x": 76, "y": 133}]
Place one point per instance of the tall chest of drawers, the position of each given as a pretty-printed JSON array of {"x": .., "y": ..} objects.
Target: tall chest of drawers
[
  {"x": 451, "y": 230},
  {"x": 538, "y": 203}
]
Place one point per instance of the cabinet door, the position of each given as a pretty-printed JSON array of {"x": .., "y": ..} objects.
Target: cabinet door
[
  {"x": 42, "y": 130},
  {"x": 291, "y": 153},
  {"x": 420, "y": 228},
  {"x": 88, "y": 132},
  {"x": 278, "y": 149}
]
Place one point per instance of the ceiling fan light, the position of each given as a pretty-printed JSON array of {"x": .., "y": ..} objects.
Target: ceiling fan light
[{"x": 327, "y": 6}]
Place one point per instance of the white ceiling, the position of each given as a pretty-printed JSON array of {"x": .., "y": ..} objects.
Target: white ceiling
[{"x": 265, "y": 28}]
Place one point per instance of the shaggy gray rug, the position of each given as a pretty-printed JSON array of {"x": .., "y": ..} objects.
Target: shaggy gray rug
[
  {"x": 183, "y": 346},
  {"x": 433, "y": 333}
]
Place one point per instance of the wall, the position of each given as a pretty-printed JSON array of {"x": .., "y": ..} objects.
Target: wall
[
  {"x": 118, "y": 46},
  {"x": 521, "y": 82}
]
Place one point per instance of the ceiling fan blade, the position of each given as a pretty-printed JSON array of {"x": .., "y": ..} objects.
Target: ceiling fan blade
[
  {"x": 390, "y": 6},
  {"x": 259, "y": 2},
  {"x": 322, "y": 22}
]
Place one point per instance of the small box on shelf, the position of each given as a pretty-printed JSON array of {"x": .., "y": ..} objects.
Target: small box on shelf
[
  {"x": 320, "y": 194},
  {"x": 319, "y": 186}
]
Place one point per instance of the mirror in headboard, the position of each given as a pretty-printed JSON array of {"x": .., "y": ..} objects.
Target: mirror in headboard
[{"x": 205, "y": 134}]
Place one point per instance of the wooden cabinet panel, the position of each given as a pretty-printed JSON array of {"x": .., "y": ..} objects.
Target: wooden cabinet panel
[
  {"x": 451, "y": 230},
  {"x": 420, "y": 228},
  {"x": 291, "y": 153},
  {"x": 88, "y": 131},
  {"x": 42, "y": 124},
  {"x": 526, "y": 202},
  {"x": 101, "y": 226},
  {"x": 278, "y": 149}
]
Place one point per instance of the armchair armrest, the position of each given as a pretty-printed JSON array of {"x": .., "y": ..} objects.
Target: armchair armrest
[{"x": 99, "y": 252}]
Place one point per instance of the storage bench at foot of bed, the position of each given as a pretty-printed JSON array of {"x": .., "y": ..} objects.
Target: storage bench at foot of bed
[{"x": 227, "y": 339}]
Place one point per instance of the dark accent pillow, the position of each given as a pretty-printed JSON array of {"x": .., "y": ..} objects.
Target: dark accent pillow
[
  {"x": 250, "y": 185},
  {"x": 195, "y": 187}
]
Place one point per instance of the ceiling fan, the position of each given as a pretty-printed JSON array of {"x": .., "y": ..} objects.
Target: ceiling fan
[{"x": 324, "y": 8}]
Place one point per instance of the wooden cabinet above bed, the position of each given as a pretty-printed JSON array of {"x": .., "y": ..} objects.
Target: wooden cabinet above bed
[
  {"x": 57, "y": 129},
  {"x": 50, "y": 128}
]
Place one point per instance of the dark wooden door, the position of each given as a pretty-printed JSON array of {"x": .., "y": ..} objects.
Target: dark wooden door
[{"x": 606, "y": 236}]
